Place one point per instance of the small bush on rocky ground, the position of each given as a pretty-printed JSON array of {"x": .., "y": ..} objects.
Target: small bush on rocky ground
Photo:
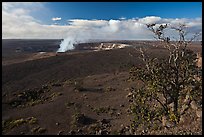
[
  {"x": 12, "y": 123},
  {"x": 28, "y": 97},
  {"x": 38, "y": 130},
  {"x": 31, "y": 97},
  {"x": 78, "y": 84}
]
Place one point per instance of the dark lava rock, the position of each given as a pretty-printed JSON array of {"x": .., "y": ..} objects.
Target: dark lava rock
[
  {"x": 82, "y": 119},
  {"x": 72, "y": 132},
  {"x": 104, "y": 121}
]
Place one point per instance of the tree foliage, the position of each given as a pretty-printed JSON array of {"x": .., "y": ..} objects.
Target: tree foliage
[{"x": 169, "y": 85}]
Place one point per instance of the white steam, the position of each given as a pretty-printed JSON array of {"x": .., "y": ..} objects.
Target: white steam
[
  {"x": 75, "y": 36},
  {"x": 67, "y": 44}
]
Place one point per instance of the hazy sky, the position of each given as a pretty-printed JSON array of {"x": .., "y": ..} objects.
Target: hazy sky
[{"x": 95, "y": 20}]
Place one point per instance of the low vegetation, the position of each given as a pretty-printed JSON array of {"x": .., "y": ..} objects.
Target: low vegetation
[
  {"x": 108, "y": 110},
  {"x": 78, "y": 85},
  {"x": 12, "y": 123},
  {"x": 38, "y": 129},
  {"x": 31, "y": 97}
]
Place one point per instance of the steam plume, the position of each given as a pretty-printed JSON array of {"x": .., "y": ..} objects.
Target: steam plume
[{"x": 67, "y": 44}]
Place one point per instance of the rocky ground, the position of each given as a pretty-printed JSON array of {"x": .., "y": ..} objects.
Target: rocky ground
[{"x": 77, "y": 93}]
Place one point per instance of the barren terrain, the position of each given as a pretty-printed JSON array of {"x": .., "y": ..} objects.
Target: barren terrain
[{"x": 77, "y": 92}]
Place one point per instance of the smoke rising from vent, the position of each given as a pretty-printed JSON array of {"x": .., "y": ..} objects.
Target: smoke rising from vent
[{"x": 67, "y": 44}]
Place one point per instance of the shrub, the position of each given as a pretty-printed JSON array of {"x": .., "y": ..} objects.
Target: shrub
[{"x": 79, "y": 85}]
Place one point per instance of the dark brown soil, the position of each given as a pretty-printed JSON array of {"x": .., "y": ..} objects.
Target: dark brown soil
[{"x": 79, "y": 92}]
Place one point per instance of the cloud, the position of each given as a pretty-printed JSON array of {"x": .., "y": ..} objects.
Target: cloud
[
  {"x": 149, "y": 20},
  {"x": 56, "y": 19},
  {"x": 87, "y": 23},
  {"x": 18, "y": 22},
  {"x": 122, "y": 18}
]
